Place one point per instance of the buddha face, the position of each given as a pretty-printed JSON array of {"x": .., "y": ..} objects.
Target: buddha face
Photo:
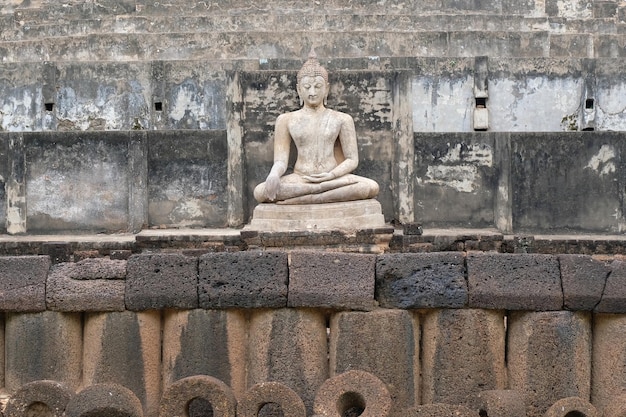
[{"x": 313, "y": 90}]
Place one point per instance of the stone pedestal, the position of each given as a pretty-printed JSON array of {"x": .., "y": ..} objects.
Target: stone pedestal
[
  {"x": 350, "y": 215},
  {"x": 352, "y": 226}
]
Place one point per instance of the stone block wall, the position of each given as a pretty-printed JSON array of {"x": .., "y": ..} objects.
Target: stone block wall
[
  {"x": 446, "y": 328},
  {"x": 121, "y": 30}
]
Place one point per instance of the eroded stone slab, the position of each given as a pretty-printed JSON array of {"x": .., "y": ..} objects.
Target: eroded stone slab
[
  {"x": 514, "y": 281},
  {"x": 416, "y": 280},
  {"x": 251, "y": 279},
  {"x": 328, "y": 279}
]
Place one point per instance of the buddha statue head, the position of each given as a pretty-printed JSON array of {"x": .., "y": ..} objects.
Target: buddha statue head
[{"x": 312, "y": 82}]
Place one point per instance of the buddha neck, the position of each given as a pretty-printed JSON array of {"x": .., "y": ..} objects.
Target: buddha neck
[{"x": 314, "y": 110}]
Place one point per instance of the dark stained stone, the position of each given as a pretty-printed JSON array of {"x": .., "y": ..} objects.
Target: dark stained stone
[
  {"x": 421, "y": 280},
  {"x": 243, "y": 280}
]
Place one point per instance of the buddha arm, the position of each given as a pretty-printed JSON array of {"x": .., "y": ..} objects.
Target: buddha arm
[
  {"x": 347, "y": 138},
  {"x": 281, "y": 158},
  {"x": 282, "y": 144}
]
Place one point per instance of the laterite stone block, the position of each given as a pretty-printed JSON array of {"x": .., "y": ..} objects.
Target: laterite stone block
[
  {"x": 124, "y": 348},
  {"x": 104, "y": 400},
  {"x": 583, "y": 280},
  {"x": 462, "y": 354},
  {"x": 179, "y": 397},
  {"x": 93, "y": 269},
  {"x": 37, "y": 398},
  {"x": 205, "y": 342},
  {"x": 549, "y": 357},
  {"x": 572, "y": 406},
  {"x": 421, "y": 280},
  {"x": 331, "y": 279},
  {"x": 500, "y": 403},
  {"x": 289, "y": 346},
  {"x": 616, "y": 408},
  {"x": 2, "y": 346},
  {"x": 249, "y": 279},
  {"x": 23, "y": 283},
  {"x": 609, "y": 359},
  {"x": 439, "y": 410},
  {"x": 264, "y": 393},
  {"x": 356, "y": 344},
  {"x": 614, "y": 295},
  {"x": 514, "y": 281},
  {"x": 164, "y": 280},
  {"x": 85, "y": 287},
  {"x": 353, "y": 393},
  {"x": 46, "y": 345}
]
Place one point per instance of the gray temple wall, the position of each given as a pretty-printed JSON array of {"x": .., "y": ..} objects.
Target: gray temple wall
[
  {"x": 520, "y": 95},
  {"x": 183, "y": 144},
  {"x": 128, "y": 180},
  {"x": 453, "y": 103}
]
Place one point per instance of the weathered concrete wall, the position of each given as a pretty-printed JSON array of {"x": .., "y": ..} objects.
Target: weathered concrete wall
[
  {"x": 526, "y": 96},
  {"x": 112, "y": 96},
  {"x": 118, "y": 181},
  {"x": 573, "y": 182},
  {"x": 534, "y": 182},
  {"x": 79, "y": 182},
  {"x": 22, "y": 107},
  {"x": 456, "y": 179},
  {"x": 102, "y": 96},
  {"x": 520, "y": 95},
  {"x": 410, "y": 75},
  {"x": 4, "y": 174},
  {"x": 187, "y": 178},
  {"x": 126, "y": 181},
  {"x": 192, "y": 96},
  {"x": 442, "y": 95}
]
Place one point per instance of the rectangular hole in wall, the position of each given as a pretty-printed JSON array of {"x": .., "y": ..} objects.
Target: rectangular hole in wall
[
  {"x": 158, "y": 106},
  {"x": 49, "y": 106},
  {"x": 481, "y": 102},
  {"x": 589, "y": 103}
]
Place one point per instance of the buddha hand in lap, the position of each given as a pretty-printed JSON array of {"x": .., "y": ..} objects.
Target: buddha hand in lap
[{"x": 327, "y": 150}]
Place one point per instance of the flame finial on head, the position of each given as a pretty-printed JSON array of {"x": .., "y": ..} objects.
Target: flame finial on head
[{"x": 312, "y": 68}]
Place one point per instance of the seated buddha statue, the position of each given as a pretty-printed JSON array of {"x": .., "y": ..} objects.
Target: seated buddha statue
[{"x": 326, "y": 145}]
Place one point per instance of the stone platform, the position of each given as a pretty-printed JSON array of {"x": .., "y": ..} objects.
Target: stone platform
[
  {"x": 354, "y": 226},
  {"x": 352, "y": 215},
  {"x": 198, "y": 241}
]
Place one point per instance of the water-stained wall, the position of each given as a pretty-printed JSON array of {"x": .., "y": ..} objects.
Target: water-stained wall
[{"x": 452, "y": 142}]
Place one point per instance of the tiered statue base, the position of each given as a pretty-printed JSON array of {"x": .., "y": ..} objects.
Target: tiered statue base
[
  {"x": 351, "y": 215},
  {"x": 355, "y": 226}
]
